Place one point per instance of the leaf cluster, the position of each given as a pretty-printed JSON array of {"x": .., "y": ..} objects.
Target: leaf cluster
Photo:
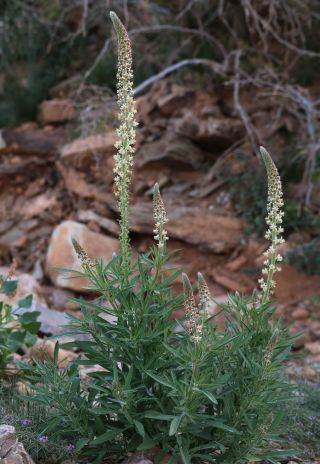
[
  {"x": 154, "y": 386},
  {"x": 15, "y": 330}
]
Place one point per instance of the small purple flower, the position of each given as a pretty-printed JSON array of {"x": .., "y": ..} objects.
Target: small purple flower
[
  {"x": 26, "y": 422},
  {"x": 70, "y": 448},
  {"x": 43, "y": 439}
]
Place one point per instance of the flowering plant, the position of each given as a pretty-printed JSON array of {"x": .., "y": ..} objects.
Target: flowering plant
[{"x": 181, "y": 387}]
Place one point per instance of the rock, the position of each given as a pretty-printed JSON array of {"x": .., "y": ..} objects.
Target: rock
[
  {"x": 58, "y": 298},
  {"x": 313, "y": 347},
  {"x": 177, "y": 100},
  {"x": 197, "y": 226},
  {"x": 171, "y": 149},
  {"x": 211, "y": 232},
  {"x": 74, "y": 182},
  {"x": 23, "y": 388},
  {"x": 105, "y": 223},
  {"x": 294, "y": 285},
  {"x": 236, "y": 263},
  {"x": 137, "y": 458},
  {"x": 44, "y": 349},
  {"x": 52, "y": 321},
  {"x": 311, "y": 374},
  {"x": 62, "y": 254},
  {"x": 56, "y": 111},
  {"x": 82, "y": 152},
  {"x": 27, "y": 285},
  {"x": 233, "y": 281},
  {"x": 37, "y": 205},
  {"x": 11, "y": 451},
  {"x": 30, "y": 140},
  {"x": 7, "y": 439},
  {"x": 86, "y": 371},
  {"x": 300, "y": 313},
  {"x": 211, "y": 132},
  {"x": 18, "y": 455}
]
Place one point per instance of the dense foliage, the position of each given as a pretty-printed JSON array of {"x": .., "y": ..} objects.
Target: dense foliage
[{"x": 16, "y": 330}]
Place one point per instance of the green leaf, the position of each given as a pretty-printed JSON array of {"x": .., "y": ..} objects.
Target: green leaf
[
  {"x": 220, "y": 425},
  {"x": 56, "y": 353},
  {"x": 82, "y": 443},
  {"x": 158, "y": 415},
  {"x": 175, "y": 425},
  {"x": 107, "y": 436},
  {"x": 25, "y": 302},
  {"x": 147, "y": 443},
  {"x": 207, "y": 394},
  {"x": 184, "y": 453},
  {"x": 159, "y": 379},
  {"x": 32, "y": 328},
  {"x": 16, "y": 340},
  {"x": 9, "y": 286},
  {"x": 139, "y": 427},
  {"x": 29, "y": 317}
]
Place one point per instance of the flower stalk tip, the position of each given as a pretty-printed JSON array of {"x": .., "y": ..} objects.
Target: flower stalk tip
[
  {"x": 127, "y": 136},
  {"x": 160, "y": 218},
  {"x": 204, "y": 293},
  {"x": 274, "y": 220}
]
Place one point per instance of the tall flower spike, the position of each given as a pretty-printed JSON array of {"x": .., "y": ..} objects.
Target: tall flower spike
[
  {"x": 274, "y": 220},
  {"x": 160, "y": 218},
  {"x": 192, "y": 312},
  {"x": 204, "y": 293},
  {"x": 126, "y": 131}
]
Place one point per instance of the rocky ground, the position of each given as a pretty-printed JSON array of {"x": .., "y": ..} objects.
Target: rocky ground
[{"x": 54, "y": 187}]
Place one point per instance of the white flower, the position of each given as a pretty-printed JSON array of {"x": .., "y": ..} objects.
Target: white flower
[{"x": 274, "y": 220}]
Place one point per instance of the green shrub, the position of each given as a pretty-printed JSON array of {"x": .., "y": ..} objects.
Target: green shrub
[
  {"x": 15, "y": 330},
  {"x": 181, "y": 386},
  {"x": 306, "y": 257}
]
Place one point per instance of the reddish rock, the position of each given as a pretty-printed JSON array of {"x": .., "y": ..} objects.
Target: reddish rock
[
  {"x": 237, "y": 263},
  {"x": 176, "y": 100},
  {"x": 196, "y": 226},
  {"x": 35, "y": 206},
  {"x": 28, "y": 139},
  {"x": 171, "y": 150},
  {"x": 313, "y": 347},
  {"x": 105, "y": 223},
  {"x": 218, "y": 234},
  {"x": 294, "y": 285},
  {"x": 61, "y": 253},
  {"x": 211, "y": 131},
  {"x": 233, "y": 281},
  {"x": 56, "y": 111},
  {"x": 300, "y": 314},
  {"x": 82, "y": 152},
  {"x": 44, "y": 349}
]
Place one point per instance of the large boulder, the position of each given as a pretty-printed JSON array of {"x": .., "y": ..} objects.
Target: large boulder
[{"x": 61, "y": 253}]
